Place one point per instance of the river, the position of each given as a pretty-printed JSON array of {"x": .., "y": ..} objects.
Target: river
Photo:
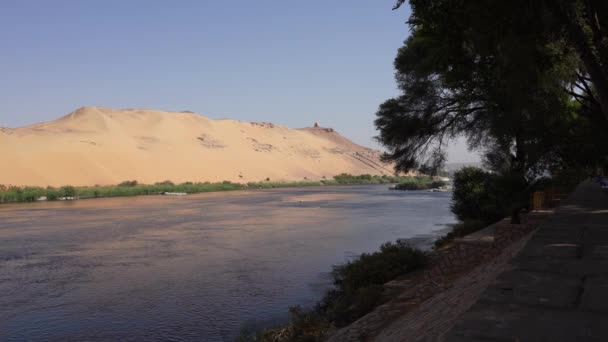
[{"x": 192, "y": 268}]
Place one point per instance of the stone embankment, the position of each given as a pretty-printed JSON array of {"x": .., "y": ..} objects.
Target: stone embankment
[{"x": 425, "y": 305}]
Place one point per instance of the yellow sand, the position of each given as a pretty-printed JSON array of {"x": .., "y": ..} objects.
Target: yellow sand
[{"x": 96, "y": 145}]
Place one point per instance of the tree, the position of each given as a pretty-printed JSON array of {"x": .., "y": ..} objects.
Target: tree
[
  {"x": 584, "y": 23},
  {"x": 490, "y": 71},
  {"x": 476, "y": 197}
]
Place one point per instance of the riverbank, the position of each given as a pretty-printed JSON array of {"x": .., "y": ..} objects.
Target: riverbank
[
  {"x": 425, "y": 305},
  {"x": 16, "y": 194},
  {"x": 423, "y": 300}
]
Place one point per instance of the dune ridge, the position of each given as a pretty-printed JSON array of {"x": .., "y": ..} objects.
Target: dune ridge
[{"x": 97, "y": 145}]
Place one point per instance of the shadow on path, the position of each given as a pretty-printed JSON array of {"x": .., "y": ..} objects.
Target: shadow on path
[{"x": 557, "y": 288}]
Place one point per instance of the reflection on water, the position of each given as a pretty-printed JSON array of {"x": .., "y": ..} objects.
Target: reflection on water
[{"x": 189, "y": 268}]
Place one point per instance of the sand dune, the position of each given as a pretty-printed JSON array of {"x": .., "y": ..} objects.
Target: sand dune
[{"x": 96, "y": 145}]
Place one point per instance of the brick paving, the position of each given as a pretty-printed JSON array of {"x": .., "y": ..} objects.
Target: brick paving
[{"x": 556, "y": 288}]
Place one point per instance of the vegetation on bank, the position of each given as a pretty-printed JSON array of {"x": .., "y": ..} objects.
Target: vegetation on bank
[
  {"x": 13, "y": 194},
  {"x": 456, "y": 73},
  {"x": 402, "y": 182},
  {"x": 357, "y": 289},
  {"x": 420, "y": 183},
  {"x": 477, "y": 201},
  {"x": 480, "y": 198},
  {"x": 345, "y": 178},
  {"x": 358, "y": 285}
]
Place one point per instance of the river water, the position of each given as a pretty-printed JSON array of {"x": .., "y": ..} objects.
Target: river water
[{"x": 192, "y": 268}]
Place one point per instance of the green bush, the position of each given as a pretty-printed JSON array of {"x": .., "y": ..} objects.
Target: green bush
[
  {"x": 345, "y": 178},
  {"x": 128, "y": 183},
  {"x": 358, "y": 284},
  {"x": 419, "y": 183},
  {"x": 68, "y": 191},
  {"x": 31, "y": 194},
  {"x": 358, "y": 289},
  {"x": 52, "y": 194},
  {"x": 477, "y": 195}
]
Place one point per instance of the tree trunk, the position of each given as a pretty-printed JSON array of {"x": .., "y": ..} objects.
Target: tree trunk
[
  {"x": 518, "y": 175},
  {"x": 515, "y": 217}
]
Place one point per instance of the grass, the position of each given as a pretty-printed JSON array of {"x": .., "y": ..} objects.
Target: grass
[
  {"x": 358, "y": 289},
  {"x": 15, "y": 194}
]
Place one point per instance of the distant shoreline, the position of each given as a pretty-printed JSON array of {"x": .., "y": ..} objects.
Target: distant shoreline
[{"x": 25, "y": 194}]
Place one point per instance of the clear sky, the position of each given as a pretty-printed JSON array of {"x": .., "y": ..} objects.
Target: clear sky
[{"x": 287, "y": 62}]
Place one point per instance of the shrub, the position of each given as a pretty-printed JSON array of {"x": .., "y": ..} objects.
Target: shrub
[
  {"x": 128, "y": 183},
  {"x": 476, "y": 196},
  {"x": 167, "y": 182},
  {"x": 366, "y": 177},
  {"x": 358, "y": 289},
  {"x": 419, "y": 183},
  {"x": 345, "y": 178},
  {"x": 31, "y": 194},
  {"x": 358, "y": 284},
  {"x": 52, "y": 194},
  {"x": 437, "y": 184},
  {"x": 68, "y": 191}
]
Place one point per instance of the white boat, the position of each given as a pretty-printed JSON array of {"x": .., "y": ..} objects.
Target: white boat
[{"x": 174, "y": 193}]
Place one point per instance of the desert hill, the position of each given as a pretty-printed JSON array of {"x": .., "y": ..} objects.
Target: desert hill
[{"x": 96, "y": 145}]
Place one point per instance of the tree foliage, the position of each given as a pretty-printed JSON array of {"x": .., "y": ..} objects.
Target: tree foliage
[
  {"x": 477, "y": 196},
  {"x": 512, "y": 77},
  {"x": 583, "y": 24}
]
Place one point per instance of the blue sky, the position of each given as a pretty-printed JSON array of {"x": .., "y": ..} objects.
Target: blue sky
[{"x": 287, "y": 62}]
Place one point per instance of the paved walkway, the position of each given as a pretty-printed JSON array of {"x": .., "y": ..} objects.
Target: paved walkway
[
  {"x": 433, "y": 318},
  {"x": 425, "y": 305},
  {"x": 557, "y": 287}
]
